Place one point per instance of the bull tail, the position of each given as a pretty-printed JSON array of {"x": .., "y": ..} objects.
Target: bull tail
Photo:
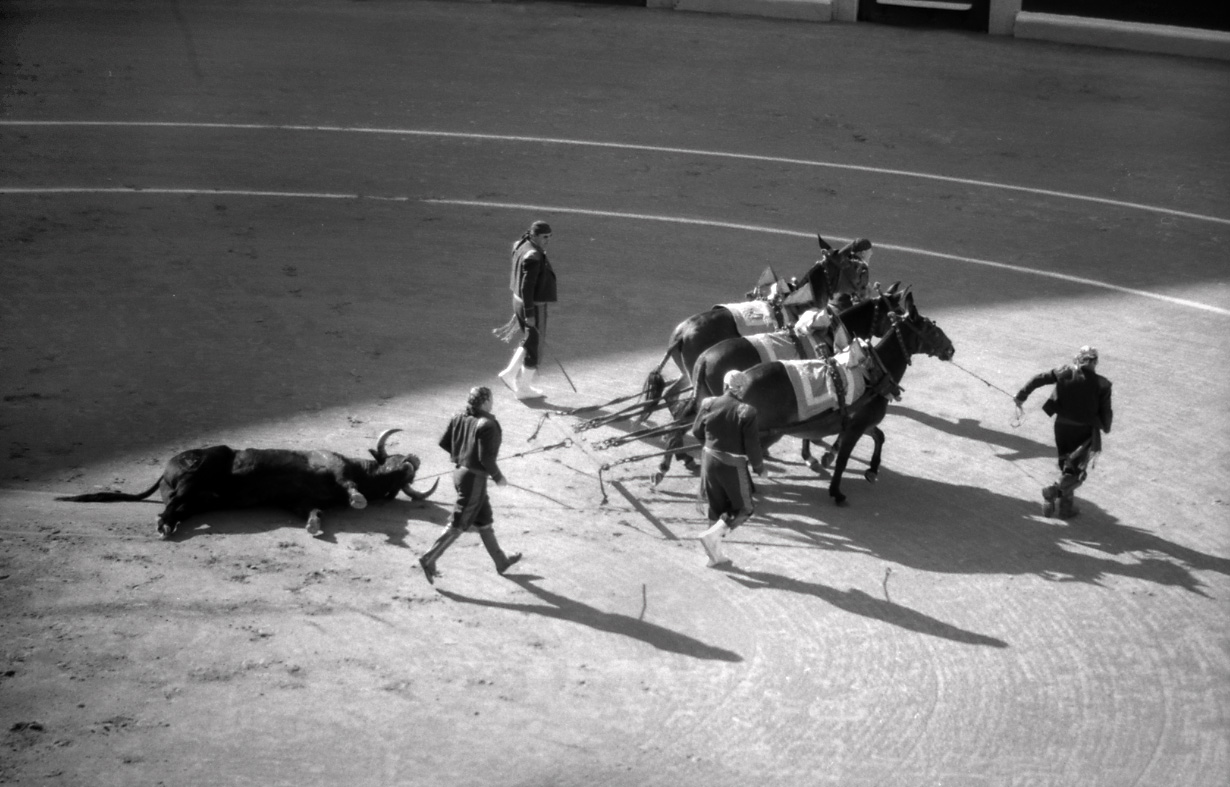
[{"x": 111, "y": 497}]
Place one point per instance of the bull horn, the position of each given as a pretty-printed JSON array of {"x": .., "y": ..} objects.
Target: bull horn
[
  {"x": 414, "y": 494},
  {"x": 380, "y": 441}
]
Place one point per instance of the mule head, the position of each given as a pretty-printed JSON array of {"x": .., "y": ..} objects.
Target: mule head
[{"x": 921, "y": 334}]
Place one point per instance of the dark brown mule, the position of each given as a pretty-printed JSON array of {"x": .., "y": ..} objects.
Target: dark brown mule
[
  {"x": 866, "y": 320},
  {"x": 701, "y": 331},
  {"x": 769, "y": 390}
]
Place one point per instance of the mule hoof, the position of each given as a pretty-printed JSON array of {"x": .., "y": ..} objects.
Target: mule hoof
[
  {"x": 165, "y": 531},
  {"x": 840, "y": 500},
  {"x": 815, "y": 466},
  {"x": 871, "y": 476},
  {"x": 358, "y": 501},
  {"x": 656, "y": 478},
  {"x": 826, "y": 460}
]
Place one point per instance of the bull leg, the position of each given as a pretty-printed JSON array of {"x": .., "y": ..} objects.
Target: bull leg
[
  {"x": 873, "y": 472},
  {"x": 176, "y": 510},
  {"x": 357, "y": 500},
  {"x": 313, "y": 522}
]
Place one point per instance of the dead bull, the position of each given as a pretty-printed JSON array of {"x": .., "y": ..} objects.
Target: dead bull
[{"x": 303, "y": 482}]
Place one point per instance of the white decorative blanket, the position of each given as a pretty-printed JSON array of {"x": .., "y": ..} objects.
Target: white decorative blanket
[
  {"x": 813, "y": 388},
  {"x": 751, "y": 317},
  {"x": 778, "y": 346}
]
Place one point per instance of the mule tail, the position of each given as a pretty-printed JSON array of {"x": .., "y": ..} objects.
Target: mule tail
[
  {"x": 111, "y": 497},
  {"x": 655, "y": 383}
]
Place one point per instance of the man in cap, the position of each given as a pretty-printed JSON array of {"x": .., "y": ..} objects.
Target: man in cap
[
  {"x": 728, "y": 429},
  {"x": 533, "y": 287},
  {"x": 1081, "y": 405},
  {"x": 472, "y": 439}
]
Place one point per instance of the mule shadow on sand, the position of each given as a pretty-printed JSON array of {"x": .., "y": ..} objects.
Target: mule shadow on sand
[
  {"x": 389, "y": 518},
  {"x": 972, "y": 429},
  {"x": 563, "y": 608},
  {"x": 942, "y": 527},
  {"x": 856, "y": 602}
]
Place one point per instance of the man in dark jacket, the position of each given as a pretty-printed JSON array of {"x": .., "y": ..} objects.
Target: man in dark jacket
[
  {"x": 1081, "y": 406},
  {"x": 472, "y": 439},
  {"x": 730, "y": 434},
  {"x": 533, "y": 287}
]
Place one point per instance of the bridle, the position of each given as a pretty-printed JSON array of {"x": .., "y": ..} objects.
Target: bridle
[{"x": 926, "y": 344}]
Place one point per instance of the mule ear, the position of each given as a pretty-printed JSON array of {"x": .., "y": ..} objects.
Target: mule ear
[
  {"x": 909, "y": 304},
  {"x": 823, "y": 243}
]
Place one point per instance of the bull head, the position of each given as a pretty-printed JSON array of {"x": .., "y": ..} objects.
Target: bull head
[{"x": 410, "y": 460}]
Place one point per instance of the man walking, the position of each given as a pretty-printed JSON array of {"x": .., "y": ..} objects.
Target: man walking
[
  {"x": 533, "y": 287},
  {"x": 472, "y": 439},
  {"x": 1081, "y": 406},
  {"x": 728, "y": 430}
]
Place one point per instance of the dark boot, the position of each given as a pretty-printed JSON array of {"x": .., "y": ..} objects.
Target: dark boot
[
  {"x": 428, "y": 561},
  {"x": 1049, "y": 494},
  {"x": 502, "y": 562}
]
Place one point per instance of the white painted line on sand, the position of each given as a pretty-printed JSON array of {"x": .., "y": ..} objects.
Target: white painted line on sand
[
  {"x": 619, "y": 215},
  {"x": 627, "y": 146},
  {"x": 893, "y": 247}
]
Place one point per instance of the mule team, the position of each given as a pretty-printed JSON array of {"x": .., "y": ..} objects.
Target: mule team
[{"x": 814, "y": 357}]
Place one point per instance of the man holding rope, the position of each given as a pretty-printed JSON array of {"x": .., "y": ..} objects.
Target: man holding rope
[
  {"x": 472, "y": 439},
  {"x": 730, "y": 434},
  {"x": 1081, "y": 406}
]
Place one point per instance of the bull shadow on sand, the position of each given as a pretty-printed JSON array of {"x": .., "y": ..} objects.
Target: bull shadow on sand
[
  {"x": 941, "y": 527},
  {"x": 856, "y": 602},
  {"x": 972, "y": 429},
  {"x": 390, "y": 518},
  {"x": 563, "y": 608}
]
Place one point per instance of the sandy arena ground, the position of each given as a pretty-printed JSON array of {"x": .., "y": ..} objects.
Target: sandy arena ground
[{"x": 276, "y": 224}]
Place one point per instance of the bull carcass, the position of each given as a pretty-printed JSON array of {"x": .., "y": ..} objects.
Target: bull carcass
[{"x": 303, "y": 482}]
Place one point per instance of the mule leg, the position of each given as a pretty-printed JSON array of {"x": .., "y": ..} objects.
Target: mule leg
[
  {"x": 872, "y": 472},
  {"x": 825, "y": 460},
  {"x": 845, "y": 446}
]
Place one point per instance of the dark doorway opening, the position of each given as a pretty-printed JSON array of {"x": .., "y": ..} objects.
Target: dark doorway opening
[{"x": 952, "y": 14}]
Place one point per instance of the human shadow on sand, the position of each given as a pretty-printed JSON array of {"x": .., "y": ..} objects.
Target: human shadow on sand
[
  {"x": 564, "y": 608},
  {"x": 941, "y": 527},
  {"x": 972, "y": 429},
  {"x": 389, "y": 518},
  {"x": 857, "y": 602}
]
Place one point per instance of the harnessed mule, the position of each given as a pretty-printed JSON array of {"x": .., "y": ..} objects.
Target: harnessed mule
[
  {"x": 868, "y": 319},
  {"x": 771, "y": 392}
]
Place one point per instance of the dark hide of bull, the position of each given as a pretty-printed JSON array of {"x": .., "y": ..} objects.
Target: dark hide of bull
[{"x": 302, "y": 482}]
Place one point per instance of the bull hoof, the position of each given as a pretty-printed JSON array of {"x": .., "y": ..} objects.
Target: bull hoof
[{"x": 871, "y": 476}]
